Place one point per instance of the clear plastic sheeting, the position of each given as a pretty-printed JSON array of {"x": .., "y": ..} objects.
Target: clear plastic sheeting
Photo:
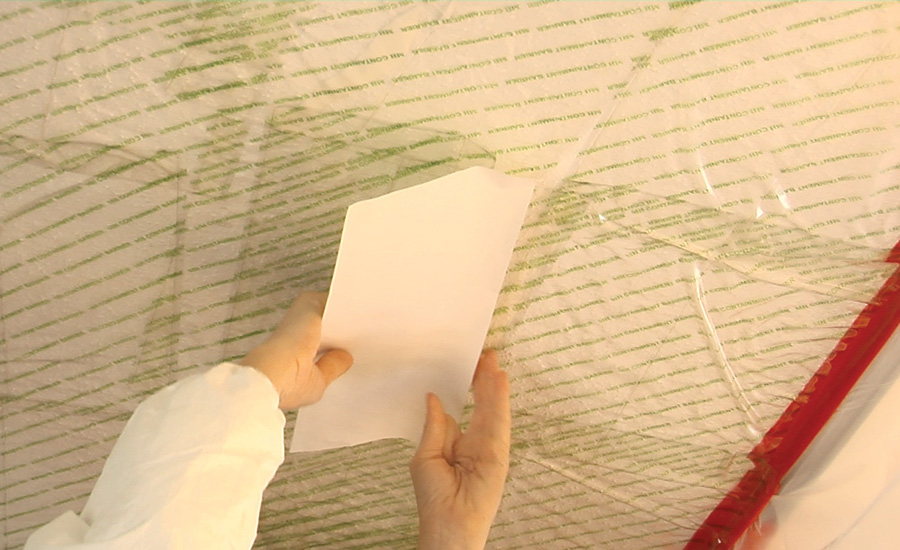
[{"x": 717, "y": 195}]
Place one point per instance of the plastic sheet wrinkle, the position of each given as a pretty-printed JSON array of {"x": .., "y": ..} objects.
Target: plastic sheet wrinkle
[
  {"x": 783, "y": 261},
  {"x": 706, "y": 183},
  {"x": 833, "y": 291},
  {"x": 587, "y": 484},
  {"x": 548, "y": 463},
  {"x": 728, "y": 375}
]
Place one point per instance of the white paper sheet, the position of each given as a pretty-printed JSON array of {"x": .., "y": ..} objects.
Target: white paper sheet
[{"x": 416, "y": 281}]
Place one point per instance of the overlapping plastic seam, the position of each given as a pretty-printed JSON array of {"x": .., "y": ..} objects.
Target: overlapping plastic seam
[{"x": 804, "y": 417}]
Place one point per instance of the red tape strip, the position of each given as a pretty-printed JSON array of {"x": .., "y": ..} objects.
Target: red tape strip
[{"x": 802, "y": 420}]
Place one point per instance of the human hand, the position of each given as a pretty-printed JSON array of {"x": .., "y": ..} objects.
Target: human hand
[
  {"x": 458, "y": 477},
  {"x": 287, "y": 357}
]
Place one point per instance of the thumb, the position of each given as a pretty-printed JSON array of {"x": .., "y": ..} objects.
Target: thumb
[
  {"x": 334, "y": 363},
  {"x": 432, "y": 443}
]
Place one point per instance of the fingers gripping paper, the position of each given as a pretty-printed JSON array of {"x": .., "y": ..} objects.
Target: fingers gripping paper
[{"x": 417, "y": 277}]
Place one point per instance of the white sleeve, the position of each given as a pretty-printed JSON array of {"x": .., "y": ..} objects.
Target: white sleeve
[{"x": 188, "y": 471}]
